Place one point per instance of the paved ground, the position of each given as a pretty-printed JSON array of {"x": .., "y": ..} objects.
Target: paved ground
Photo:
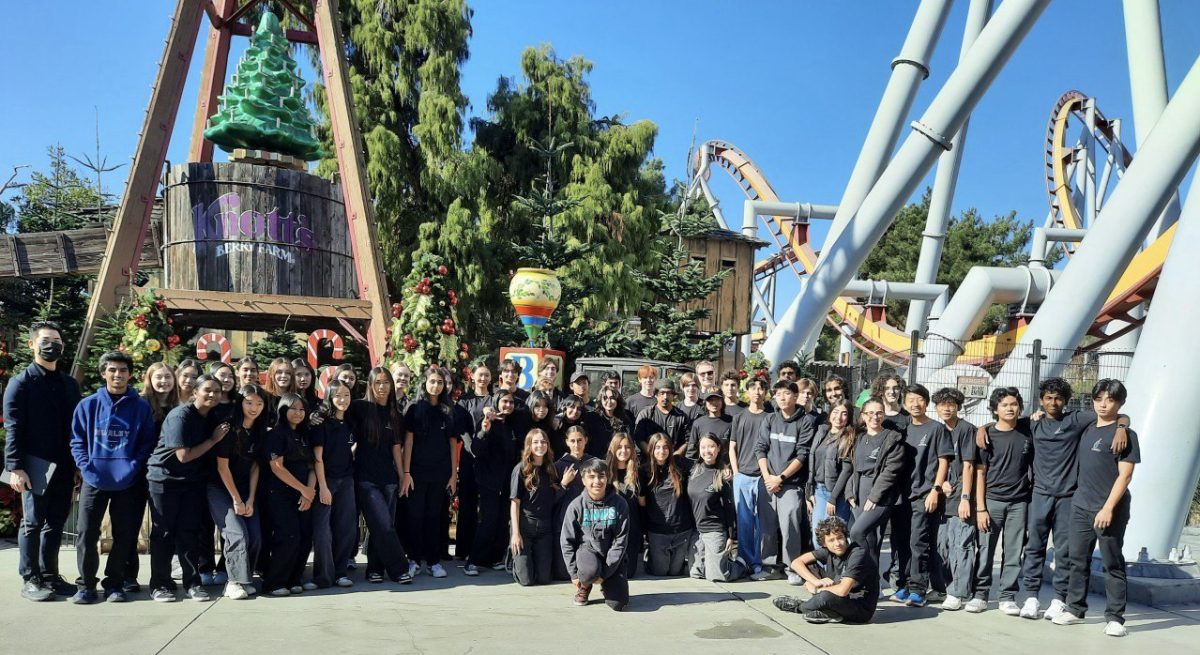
[{"x": 490, "y": 615}]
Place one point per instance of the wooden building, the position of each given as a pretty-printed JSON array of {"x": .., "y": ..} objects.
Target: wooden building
[{"x": 730, "y": 306}]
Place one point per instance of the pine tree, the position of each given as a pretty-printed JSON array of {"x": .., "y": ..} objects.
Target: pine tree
[
  {"x": 280, "y": 342},
  {"x": 263, "y": 107},
  {"x": 425, "y": 324}
]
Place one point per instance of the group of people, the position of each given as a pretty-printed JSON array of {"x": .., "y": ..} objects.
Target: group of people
[{"x": 718, "y": 478}]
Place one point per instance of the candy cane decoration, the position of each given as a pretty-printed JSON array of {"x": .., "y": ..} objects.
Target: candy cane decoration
[
  {"x": 323, "y": 378},
  {"x": 314, "y": 344},
  {"x": 209, "y": 338}
]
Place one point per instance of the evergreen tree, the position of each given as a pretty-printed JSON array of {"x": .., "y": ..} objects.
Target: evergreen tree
[
  {"x": 280, "y": 342},
  {"x": 425, "y": 324},
  {"x": 263, "y": 107}
]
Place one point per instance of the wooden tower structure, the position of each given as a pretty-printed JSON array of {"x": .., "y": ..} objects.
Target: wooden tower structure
[{"x": 364, "y": 316}]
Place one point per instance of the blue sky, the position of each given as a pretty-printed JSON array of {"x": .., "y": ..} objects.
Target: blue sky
[{"x": 794, "y": 84}]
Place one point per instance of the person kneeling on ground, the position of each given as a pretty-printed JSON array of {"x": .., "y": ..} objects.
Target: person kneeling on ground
[
  {"x": 595, "y": 533},
  {"x": 850, "y": 588}
]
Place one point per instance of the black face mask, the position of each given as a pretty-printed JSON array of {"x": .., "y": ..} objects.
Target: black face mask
[{"x": 50, "y": 351}]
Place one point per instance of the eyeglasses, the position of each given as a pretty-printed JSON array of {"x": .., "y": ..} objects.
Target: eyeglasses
[
  {"x": 872, "y": 413},
  {"x": 706, "y": 373}
]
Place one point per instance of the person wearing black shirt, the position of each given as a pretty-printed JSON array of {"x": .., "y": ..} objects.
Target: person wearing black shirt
[
  {"x": 756, "y": 523},
  {"x": 714, "y": 421},
  {"x": 711, "y": 496},
  {"x": 533, "y": 490},
  {"x": 786, "y": 436},
  {"x": 291, "y": 492},
  {"x": 177, "y": 474},
  {"x": 1100, "y": 509},
  {"x": 611, "y": 417},
  {"x": 493, "y": 447},
  {"x": 730, "y": 387},
  {"x": 38, "y": 405},
  {"x": 430, "y": 462},
  {"x": 574, "y": 413},
  {"x": 849, "y": 590},
  {"x": 835, "y": 389},
  {"x": 473, "y": 401},
  {"x": 625, "y": 473},
  {"x": 829, "y": 465},
  {"x": 691, "y": 405},
  {"x": 232, "y": 494},
  {"x": 647, "y": 376},
  {"x": 669, "y": 520},
  {"x": 663, "y": 417},
  {"x": 378, "y": 428},
  {"x": 1002, "y": 499},
  {"x": 581, "y": 387},
  {"x": 334, "y": 518},
  {"x": 567, "y": 467},
  {"x": 877, "y": 485},
  {"x": 958, "y": 537}
]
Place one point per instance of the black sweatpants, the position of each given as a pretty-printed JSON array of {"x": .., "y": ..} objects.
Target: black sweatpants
[
  {"x": 125, "y": 509},
  {"x": 176, "y": 512},
  {"x": 1084, "y": 537},
  {"x": 868, "y": 526},
  {"x": 488, "y": 547},
  {"x": 1047, "y": 514},
  {"x": 590, "y": 565},
  {"x": 468, "y": 507},
  {"x": 290, "y": 540},
  {"x": 533, "y": 564},
  {"x": 852, "y": 610},
  {"x": 426, "y": 506},
  {"x": 922, "y": 535}
]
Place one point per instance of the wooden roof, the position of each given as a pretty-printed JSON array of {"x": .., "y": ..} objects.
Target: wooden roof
[
  {"x": 243, "y": 311},
  {"x": 72, "y": 252}
]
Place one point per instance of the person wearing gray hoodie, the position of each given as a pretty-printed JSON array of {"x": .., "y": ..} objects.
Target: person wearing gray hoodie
[{"x": 594, "y": 537}]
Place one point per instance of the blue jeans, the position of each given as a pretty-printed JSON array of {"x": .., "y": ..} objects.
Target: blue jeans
[
  {"x": 378, "y": 505},
  {"x": 842, "y": 510},
  {"x": 242, "y": 535},
  {"x": 756, "y": 521}
]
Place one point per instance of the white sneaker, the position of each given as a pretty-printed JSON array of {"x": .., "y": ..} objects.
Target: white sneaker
[
  {"x": 1010, "y": 608},
  {"x": 1056, "y": 607},
  {"x": 281, "y": 592},
  {"x": 1114, "y": 629},
  {"x": 952, "y": 603},
  {"x": 414, "y": 569},
  {"x": 309, "y": 586},
  {"x": 344, "y": 582},
  {"x": 760, "y": 575},
  {"x": 438, "y": 571},
  {"x": 1067, "y": 618},
  {"x": 235, "y": 591},
  {"x": 1031, "y": 608},
  {"x": 975, "y": 605}
]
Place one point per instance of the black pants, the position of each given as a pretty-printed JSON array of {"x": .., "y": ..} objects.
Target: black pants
[
  {"x": 378, "y": 505},
  {"x": 468, "y": 508},
  {"x": 590, "y": 565},
  {"x": 852, "y": 610},
  {"x": 533, "y": 564},
  {"x": 426, "y": 506},
  {"x": 290, "y": 540},
  {"x": 868, "y": 526},
  {"x": 1047, "y": 514},
  {"x": 922, "y": 535},
  {"x": 42, "y": 523},
  {"x": 1084, "y": 537},
  {"x": 493, "y": 527},
  {"x": 125, "y": 509},
  {"x": 176, "y": 512},
  {"x": 133, "y": 565}
]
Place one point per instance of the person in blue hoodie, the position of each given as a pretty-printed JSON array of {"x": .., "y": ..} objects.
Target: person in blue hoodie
[{"x": 112, "y": 436}]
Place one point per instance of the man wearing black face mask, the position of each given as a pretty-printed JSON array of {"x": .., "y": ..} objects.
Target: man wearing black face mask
[{"x": 38, "y": 406}]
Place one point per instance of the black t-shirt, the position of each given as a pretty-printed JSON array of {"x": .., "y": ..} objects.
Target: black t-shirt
[
  {"x": 1057, "y": 443},
  {"x": 243, "y": 450},
  {"x": 720, "y": 426},
  {"x": 667, "y": 513},
  {"x": 712, "y": 509},
  {"x": 734, "y": 410},
  {"x": 571, "y": 491},
  {"x": 295, "y": 451},
  {"x": 745, "y": 431},
  {"x": 898, "y": 422},
  {"x": 374, "y": 462},
  {"x": 432, "y": 431},
  {"x": 1009, "y": 458},
  {"x": 1098, "y": 466},
  {"x": 965, "y": 450},
  {"x": 538, "y": 503},
  {"x": 184, "y": 427},
  {"x": 924, "y": 445},
  {"x": 858, "y": 565},
  {"x": 637, "y": 402},
  {"x": 693, "y": 412},
  {"x": 337, "y": 441}
]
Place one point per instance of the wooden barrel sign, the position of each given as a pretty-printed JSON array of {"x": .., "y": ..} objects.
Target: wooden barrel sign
[{"x": 247, "y": 228}]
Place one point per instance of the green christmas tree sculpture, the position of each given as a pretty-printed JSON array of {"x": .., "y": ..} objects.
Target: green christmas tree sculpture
[{"x": 263, "y": 106}]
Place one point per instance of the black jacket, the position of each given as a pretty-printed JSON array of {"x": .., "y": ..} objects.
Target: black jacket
[
  {"x": 38, "y": 407},
  {"x": 675, "y": 424},
  {"x": 888, "y": 471},
  {"x": 494, "y": 451}
]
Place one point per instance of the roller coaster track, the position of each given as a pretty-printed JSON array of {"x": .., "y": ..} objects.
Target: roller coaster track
[{"x": 870, "y": 331}]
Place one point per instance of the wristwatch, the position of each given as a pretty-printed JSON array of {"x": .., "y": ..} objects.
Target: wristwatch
[{"x": 966, "y": 496}]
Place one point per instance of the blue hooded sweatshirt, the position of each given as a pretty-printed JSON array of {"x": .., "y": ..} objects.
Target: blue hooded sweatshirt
[{"x": 112, "y": 438}]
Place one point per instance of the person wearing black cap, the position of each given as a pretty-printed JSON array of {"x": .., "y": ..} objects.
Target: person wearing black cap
[
  {"x": 715, "y": 421},
  {"x": 581, "y": 387},
  {"x": 663, "y": 417}
]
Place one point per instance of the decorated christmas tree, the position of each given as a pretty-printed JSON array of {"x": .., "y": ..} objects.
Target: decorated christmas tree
[
  {"x": 263, "y": 106},
  {"x": 425, "y": 324}
]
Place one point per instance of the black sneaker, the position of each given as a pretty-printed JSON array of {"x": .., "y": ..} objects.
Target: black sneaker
[
  {"x": 131, "y": 587},
  {"x": 787, "y": 603},
  {"x": 374, "y": 577},
  {"x": 404, "y": 578},
  {"x": 33, "y": 590},
  {"x": 198, "y": 593},
  {"x": 822, "y": 616},
  {"x": 59, "y": 586},
  {"x": 615, "y": 605}
]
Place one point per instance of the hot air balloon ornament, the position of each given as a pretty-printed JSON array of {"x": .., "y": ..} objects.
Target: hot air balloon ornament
[{"x": 534, "y": 293}]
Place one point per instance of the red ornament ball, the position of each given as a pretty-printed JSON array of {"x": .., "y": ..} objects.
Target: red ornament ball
[{"x": 442, "y": 270}]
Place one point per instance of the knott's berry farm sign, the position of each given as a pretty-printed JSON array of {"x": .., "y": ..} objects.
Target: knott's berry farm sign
[{"x": 244, "y": 229}]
